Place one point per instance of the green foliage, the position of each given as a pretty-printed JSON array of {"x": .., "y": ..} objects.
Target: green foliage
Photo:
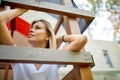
[
  {"x": 95, "y": 4},
  {"x": 110, "y": 4}
]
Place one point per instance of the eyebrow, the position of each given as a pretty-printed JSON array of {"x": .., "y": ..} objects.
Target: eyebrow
[{"x": 35, "y": 25}]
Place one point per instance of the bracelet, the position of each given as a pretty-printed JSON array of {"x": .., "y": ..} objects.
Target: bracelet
[{"x": 63, "y": 38}]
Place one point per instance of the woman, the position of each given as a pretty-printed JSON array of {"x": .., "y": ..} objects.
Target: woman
[{"x": 41, "y": 36}]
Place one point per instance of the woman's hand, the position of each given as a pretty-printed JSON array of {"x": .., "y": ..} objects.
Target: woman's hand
[{"x": 5, "y": 17}]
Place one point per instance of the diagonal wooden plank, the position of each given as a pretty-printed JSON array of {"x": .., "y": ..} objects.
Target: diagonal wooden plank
[
  {"x": 69, "y": 76},
  {"x": 50, "y": 8},
  {"x": 67, "y": 25},
  {"x": 34, "y": 55},
  {"x": 57, "y": 26}
]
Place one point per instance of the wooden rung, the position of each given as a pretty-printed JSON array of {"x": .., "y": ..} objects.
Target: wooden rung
[
  {"x": 50, "y": 8},
  {"x": 46, "y": 56}
]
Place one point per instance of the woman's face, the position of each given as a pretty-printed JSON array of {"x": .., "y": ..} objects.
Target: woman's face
[{"x": 38, "y": 32}]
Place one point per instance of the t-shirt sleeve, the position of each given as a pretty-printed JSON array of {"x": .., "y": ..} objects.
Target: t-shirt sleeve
[{"x": 63, "y": 44}]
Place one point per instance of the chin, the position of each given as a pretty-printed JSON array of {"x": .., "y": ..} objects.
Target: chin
[{"x": 31, "y": 41}]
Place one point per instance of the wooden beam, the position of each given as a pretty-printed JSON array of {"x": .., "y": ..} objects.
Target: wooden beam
[
  {"x": 67, "y": 24},
  {"x": 46, "y": 56},
  {"x": 3, "y": 65},
  {"x": 72, "y": 27},
  {"x": 69, "y": 76},
  {"x": 57, "y": 26},
  {"x": 6, "y": 71},
  {"x": 71, "y": 22},
  {"x": 50, "y": 8},
  {"x": 77, "y": 73},
  {"x": 86, "y": 73},
  {"x": 75, "y": 29}
]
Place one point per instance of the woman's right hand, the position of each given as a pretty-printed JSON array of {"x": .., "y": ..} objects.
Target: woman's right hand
[{"x": 5, "y": 17}]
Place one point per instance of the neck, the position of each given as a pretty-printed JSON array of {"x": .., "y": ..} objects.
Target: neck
[{"x": 39, "y": 44}]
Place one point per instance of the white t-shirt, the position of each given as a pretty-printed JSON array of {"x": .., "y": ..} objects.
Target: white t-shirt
[{"x": 23, "y": 71}]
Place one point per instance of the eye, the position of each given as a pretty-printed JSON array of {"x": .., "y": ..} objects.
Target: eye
[{"x": 37, "y": 27}]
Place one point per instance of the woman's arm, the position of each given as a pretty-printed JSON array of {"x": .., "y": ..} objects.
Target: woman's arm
[
  {"x": 5, "y": 17},
  {"x": 76, "y": 42}
]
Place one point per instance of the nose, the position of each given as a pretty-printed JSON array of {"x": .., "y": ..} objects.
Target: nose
[{"x": 31, "y": 30}]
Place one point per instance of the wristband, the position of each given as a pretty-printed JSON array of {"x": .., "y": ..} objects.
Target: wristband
[{"x": 63, "y": 38}]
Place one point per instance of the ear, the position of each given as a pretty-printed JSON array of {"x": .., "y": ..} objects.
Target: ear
[{"x": 47, "y": 38}]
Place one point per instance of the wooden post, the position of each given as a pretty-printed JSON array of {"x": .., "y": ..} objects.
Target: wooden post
[
  {"x": 71, "y": 23},
  {"x": 6, "y": 71},
  {"x": 72, "y": 27},
  {"x": 86, "y": 73}
]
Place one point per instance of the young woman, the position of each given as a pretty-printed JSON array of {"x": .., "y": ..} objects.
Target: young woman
[{"x": 41, "y": 36}]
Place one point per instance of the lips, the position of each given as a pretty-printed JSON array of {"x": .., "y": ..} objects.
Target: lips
[{"x": 31, "y": 35}]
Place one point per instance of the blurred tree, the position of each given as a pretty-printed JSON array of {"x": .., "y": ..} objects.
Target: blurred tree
[
  {"x": 110, "y": 5},
  {"x": 95, "y": 4},
  {"x": 103, "y": 5}
]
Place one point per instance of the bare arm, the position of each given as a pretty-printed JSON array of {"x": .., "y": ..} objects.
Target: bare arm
[
  {"x": 76, "y": 42},
  {"x": 6, "y": 16}
]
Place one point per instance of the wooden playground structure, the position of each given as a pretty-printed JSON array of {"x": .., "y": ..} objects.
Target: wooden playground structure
[{"x": 82, "y": 61}]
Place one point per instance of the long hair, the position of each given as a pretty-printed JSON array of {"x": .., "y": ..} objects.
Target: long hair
[{"x": 50, "y": 32}]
